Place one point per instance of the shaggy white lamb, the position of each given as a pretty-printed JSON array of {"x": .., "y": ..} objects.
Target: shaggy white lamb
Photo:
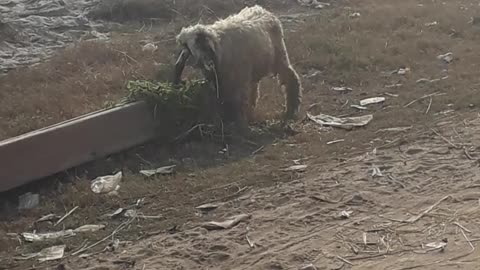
[{"x": 236, "y": 53}]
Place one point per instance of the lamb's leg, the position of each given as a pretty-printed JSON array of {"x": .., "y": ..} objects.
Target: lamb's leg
[
  {"x": 253, "y": 99},
  {"x": 290, "y": 79}
]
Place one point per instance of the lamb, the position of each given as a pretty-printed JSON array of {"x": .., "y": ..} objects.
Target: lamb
[{"x": 237, "y": 52}]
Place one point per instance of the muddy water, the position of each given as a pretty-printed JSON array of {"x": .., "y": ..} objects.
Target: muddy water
[{"x": 32, "y": 30}]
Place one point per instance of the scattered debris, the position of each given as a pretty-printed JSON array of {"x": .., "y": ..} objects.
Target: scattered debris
[
  {"x": 313, "y": 4},
  {"x": 403, "y": 71},
  {"x": 447, "y": 58},
  {"x": 227, "y": 224},
  {"x": 132, "y": 213},
  {"x": 48, "y": 254},
  {"x": 28, "y": 200},
  {"x": 423, "y": 97},
  {"x": 107, "y": 183},
  {"x": 117, "y": 212},
  {"x": 323, "y": 198},
  {"x": 308, "y": 267},
  {"x": 425, "y": 80},
  {"x": 89, "y": 228},
  {"x": 355, "y": 15},
  {"x": 437, "y": 245},
  {"x": 38, "y": 237},
  {"x": 66, "y": 215},
  {"x": 151, "y": 47},
  {"x": 391, "y": 95},
  {"x": 395, "y": 129},
  {"x": 258, "y": 150},
  {"x": 431, "y": 23},
  {"x": 376, "y": 172},
  {"x": 342, "y": 89},
  {"x": 345, "y": 214},
  {"x": 250, "y": 243},
  {"x": 373, "y": 100},
  {"x": 395, "y": 85},
  {"x": 166, "y": 170},
  {"x": 312, "y": 74},
  {"x": 208, "y": 206},
  {"x": 346, "y": 122},
  {"x": 49, "y": 217},
  {"x": 224, "y": 150},
  {"x": 296, "y": 168},
  {"x": 358, "y": 107},
  {"x": 414, "y": 219},
  {"x": 399, "y": 71},
  {"x": 335, "y": 141}
]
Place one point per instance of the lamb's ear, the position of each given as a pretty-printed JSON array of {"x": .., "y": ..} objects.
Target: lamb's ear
[
  {"x": 205, "y": 43},
  {"x": 180, "y": 64}
]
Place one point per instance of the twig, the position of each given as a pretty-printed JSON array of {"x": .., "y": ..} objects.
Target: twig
[
  {"x": 426, "y": 211},
  {"x": 396, "y": 181},
  {"x": 354, "y": 258},
  {"x": 186, "y": 133},
  {"x": 335, "y": 141},
  {"x": 126, "y": 55},
  {"x": 250, "y": 243},
  {"x": 119, "y": 228},
  {"x": 426, "y": 96},
  {"x": 419, "y": 216},
  {"x": 461, "y": 227},
  {"x": 467, "y": 154},
  {"x": 65, "y": 216},
  {"x": 469, "y": 242},
  {"x": 429, "y": 105},
  {"x": 445, "y": 139},
  {"x": 258, "y": 150},
  {"x": 344, "y": 260}
]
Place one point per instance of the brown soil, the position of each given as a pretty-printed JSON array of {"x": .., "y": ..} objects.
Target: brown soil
[{"x": 295, "y": 215}]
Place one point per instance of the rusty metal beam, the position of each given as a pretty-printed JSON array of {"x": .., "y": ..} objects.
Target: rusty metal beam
[{"x": 62, "y": 146}]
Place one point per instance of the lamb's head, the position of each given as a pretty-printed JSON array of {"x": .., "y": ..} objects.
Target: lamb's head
[{"x": 199, "y": 42}]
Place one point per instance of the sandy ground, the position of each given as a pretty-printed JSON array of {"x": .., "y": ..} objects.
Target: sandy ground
[
  {"x": 428, "y": 193},
  {"x": 400, "y": 193}
]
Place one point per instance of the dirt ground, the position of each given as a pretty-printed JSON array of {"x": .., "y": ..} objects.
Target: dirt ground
[{"x": 400, "y": 193}]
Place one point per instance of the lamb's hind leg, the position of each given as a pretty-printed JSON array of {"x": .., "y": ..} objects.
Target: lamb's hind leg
[{"x": 252, "y": 101}]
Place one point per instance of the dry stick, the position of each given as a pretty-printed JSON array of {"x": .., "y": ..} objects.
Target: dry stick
[
  {"x": 429, "y": 105},
  {"x": 466, "y": 238},
  {"x": 426, "y": 96},
  {"x": 186, "y": 133},
  {"x": 426, "y": 211},
  {"x": 344, "y": 260},
  {"x": 119, "y": 228},
  {"x": 258, "y": 150},
  {"x": 65, "y": 216},
  {"x": 126, "y": 55},
  {"x": 445, "y": 139},
  {"x": 462, "y": 227},
  {"x": 250, "y": 243},
  {"x": 467, "y": 154}
]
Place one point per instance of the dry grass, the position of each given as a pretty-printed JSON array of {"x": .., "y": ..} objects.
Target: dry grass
[{"x": 78, "y": 80}]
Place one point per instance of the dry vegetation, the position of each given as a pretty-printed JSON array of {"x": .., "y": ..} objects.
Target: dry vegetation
[
  {"x": 78, "y": 80},
  {"x": 348, "y": 51}
]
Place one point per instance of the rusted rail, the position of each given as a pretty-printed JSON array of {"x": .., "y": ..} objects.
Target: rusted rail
[{"x": 53, "y": 149}]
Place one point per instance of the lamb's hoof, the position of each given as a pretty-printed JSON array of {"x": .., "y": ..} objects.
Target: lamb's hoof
[{"x": 289, "y": 129}]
